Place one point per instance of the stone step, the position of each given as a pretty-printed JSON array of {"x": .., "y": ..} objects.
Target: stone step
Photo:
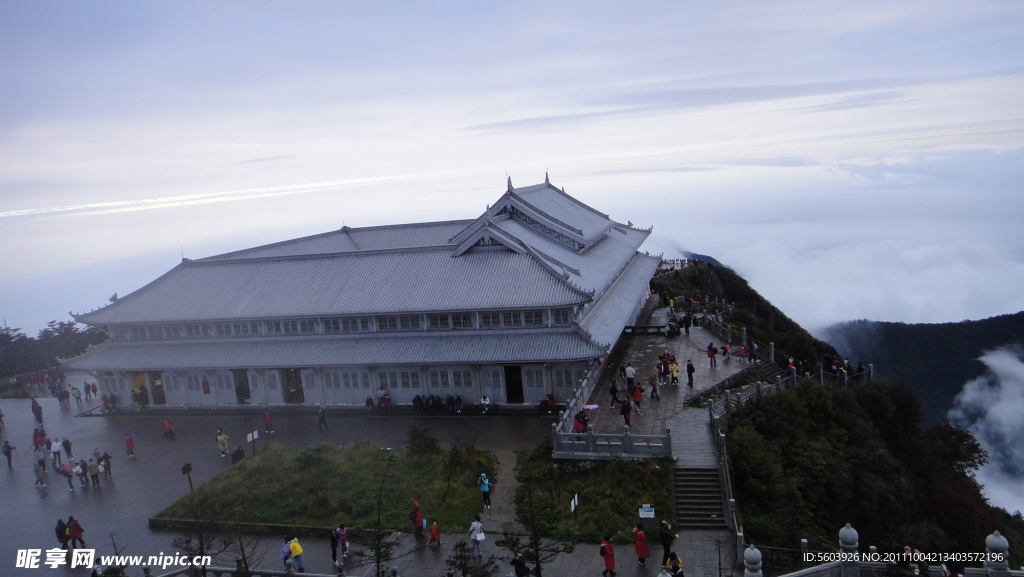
[{"x": 698, "y": 499}]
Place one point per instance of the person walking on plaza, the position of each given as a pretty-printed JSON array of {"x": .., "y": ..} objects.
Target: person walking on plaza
[
  {"x": 638, "y": 396},
  {"x": 339, "y": 536},
  {"x": 416, "y": 516},
  {"x": 268, "y": 421},
  {"x": 81, "y": 470},
  {"x": 7, "y": 450},
  {"x": 222, "y": 444},
  {"x": 652, "y": 383},
  {"x": 666, "y": 536},
  {"x": 608, "y": 553},
  {"x": 88, "y": 391},
  {"x": 712, "y": 355},
  {"x": 55, "y": 453},
  {"x": 37, "y": 410},
  {"x": 485, "y": 489},
  {"x": 105, "y": 463},
  {"x": 640, "y": 544},
  {"x": 76, "y": 533},
  {"x": 296, "y": 551},
  {"x": 77, "y": 395},
  {"x": 690, "y": 369},
  {"x": 673, "y": 369},
  {"x": 625, "y": 410},
  {"x": 630, "y": 377},
  {"x": 94, "y": 472},
  {"x": 687, "y": 323},
  {"x": 62, "y": 533},
  {"x": 674, "y": 565},
  {"x": 40, "y": 456},
  {"x": 476, "y": 535},
  {"x": 40, "y": 474},
  {"x": 519, "y": 565},
  {"x": 321, "y": 419},
  {"x": 168, "y": 428},
  {"x": 129, "y": 444},
  {"x": 614, "y": 391},
  {"x": 67, "y": 448},
  {"x": 435, "y": 535}
]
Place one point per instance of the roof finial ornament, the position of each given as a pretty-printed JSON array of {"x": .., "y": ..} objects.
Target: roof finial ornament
[
  {"x": 546, "y": 179},
  {"x": 510, "y": 189}
]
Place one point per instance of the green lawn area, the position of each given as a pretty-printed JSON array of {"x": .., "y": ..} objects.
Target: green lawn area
[
  {"x": 322, "y": 485},
  {"x": 610, "y": 493}
]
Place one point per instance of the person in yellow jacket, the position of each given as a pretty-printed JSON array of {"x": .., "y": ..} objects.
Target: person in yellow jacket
[{"x": 296, "y": 550}]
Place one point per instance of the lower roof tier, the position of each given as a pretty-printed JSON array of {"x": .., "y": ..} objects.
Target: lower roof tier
[{"x": 462, "y": 348}]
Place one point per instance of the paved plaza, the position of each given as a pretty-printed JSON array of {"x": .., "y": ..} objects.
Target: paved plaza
[{"x": 149, "y": 482}]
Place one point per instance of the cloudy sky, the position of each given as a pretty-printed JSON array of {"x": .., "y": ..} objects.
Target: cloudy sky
[{"x": 852, "y": 160}]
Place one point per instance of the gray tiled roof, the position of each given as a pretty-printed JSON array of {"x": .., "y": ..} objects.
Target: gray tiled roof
[
  {"x": 355, "y": 239},
  {"x": 565, "y": 208},
  {"x": 597, "y": 266},
  {"x": 523, "y": 346},
  {"x": 346, "y": 283},
  {"x": 605, "y": 320}
]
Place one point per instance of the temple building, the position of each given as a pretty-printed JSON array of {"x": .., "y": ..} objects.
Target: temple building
[{"x": 518, "y": 303}]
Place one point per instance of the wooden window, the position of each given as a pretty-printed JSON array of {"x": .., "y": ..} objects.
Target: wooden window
[
  {"x": 387, "y": 323},
  {"x": 153, "y": 333},
  {"x": 438, "y": 322},
  {"x": 223, "y": 329},
  {"x": 409, "y": 322},
  {"x": 272, "y": 379},
  {"x": 534, "y": 378},
  {"x": 307, "y": 326},
  {"x": 462, "y": 320},
  {"x": 534, "y": 318},
  {"x": 389, "y": 380},
  {"x": 511, "y": 319},
  {"x": 410, "y": 380},
  {"x": 490, "y": 320},
  {"x": 562, "y": 317}
]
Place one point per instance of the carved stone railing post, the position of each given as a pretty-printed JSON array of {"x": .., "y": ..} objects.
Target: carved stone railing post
[
  {"x": 743, "y": 337},
  {"x": 771, "y": 352},
  {"x": 803, "y": 553},
  {"x": 997, "y": 547},
  {"x": 849, "y": 542},
  {"x": 554, "y": 436},
  {"x": 758, "y": 390},
  {"x": 627, "y": 442},
  {"x": 728, "y": 401},
  {"x": 668, "y": 443},
  {"x": 871, "y": 371},
  {"x": 591, "y": 441},
  {"x": 752, "y": 562}
]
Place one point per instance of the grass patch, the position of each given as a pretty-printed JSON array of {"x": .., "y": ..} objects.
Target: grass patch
[
  {"x": 610, "y": 492},
  {"x": 322, "y": 485}
]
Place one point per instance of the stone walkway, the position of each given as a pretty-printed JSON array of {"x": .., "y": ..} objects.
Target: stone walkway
[{"x": 702, "y": 551}]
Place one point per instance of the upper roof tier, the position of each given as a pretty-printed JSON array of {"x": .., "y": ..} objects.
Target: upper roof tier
[{"x": 551, "y": 251}]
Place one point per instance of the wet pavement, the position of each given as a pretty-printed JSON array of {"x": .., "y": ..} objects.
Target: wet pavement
[{"x": 152, "y": 480}]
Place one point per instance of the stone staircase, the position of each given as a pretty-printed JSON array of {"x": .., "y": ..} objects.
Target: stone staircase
[{"x": 698, "y": 495}]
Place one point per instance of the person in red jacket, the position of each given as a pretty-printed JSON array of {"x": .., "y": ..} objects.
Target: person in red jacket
[
  {"x": 608, "y": 553},
  {"x": 640, "y": 544},
  {"x": 638, "y": 395},
  {"x": 75, "y": 533},
  {"x": 416, "y": 516},
  {"x": 129, "y": 443}
]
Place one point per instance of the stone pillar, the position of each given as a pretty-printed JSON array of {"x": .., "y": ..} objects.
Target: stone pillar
[
  {"x": 997, "y": 547},
  {"x": 752, "y": 562},
  {"x": 743, "y": 335},
  {"x": 849, "y": 542},
  {"x": 804, "y": 549},
  {"x": 728, "y": 401},
  {"x": 778, "y": 382},
  {"x": 871, "y": 371},
  {"x": 771, "y": 352},
  {"x": 758, "y": 390},
  {"x": 591, "y": 442},
  {"x": 668, "y": 443},
  {"x": 554, "y": 436},
  {"x": 846, "y": 381}
]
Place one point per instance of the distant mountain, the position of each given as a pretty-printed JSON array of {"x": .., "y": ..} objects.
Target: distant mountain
[
  {"x": 703, "y": 257},
  {"x": 935, "y": 360}
]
